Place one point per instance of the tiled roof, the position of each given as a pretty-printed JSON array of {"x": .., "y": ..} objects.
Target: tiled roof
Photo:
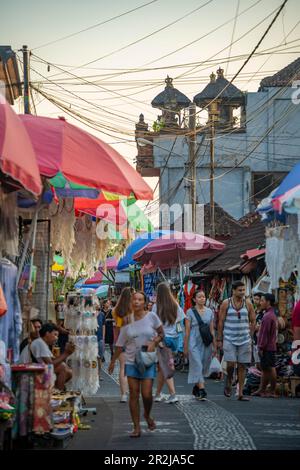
[
  {"x": 229, "y": 260},
  {"x": 284, "y": 77},
  {"x": 170, "y": 97},
  {"x": 225, "y": 225},
  {"x": 220, "y": 87}
]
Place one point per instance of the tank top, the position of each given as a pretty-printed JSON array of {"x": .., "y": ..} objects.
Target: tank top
[{"x": 236, "y": 325}]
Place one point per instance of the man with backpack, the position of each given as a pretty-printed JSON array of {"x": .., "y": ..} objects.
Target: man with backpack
[{"x": 235, "y": 329}]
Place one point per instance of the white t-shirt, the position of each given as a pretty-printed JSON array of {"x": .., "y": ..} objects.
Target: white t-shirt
[
  {"x": 170, "y": 330},
  {"x": 138, "y": 334},
  {"x": 25, "y": 356},
  {"x": 40, "y": 349}
]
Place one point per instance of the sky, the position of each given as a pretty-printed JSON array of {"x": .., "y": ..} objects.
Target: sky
[{"x": 115, "y": 99}]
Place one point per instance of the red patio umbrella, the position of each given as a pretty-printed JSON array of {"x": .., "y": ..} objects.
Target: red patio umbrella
[
  {"x": 82, "y": 158},
  {"x": 17, "y": 156},
  {"x": 177, "y": 248}
]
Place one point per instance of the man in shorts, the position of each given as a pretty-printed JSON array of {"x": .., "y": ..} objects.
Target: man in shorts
[{"x": 235, "y": 329}]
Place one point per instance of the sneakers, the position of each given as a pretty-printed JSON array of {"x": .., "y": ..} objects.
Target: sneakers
[
  {"x": 202, "y": 394},
  {"x": 158, "y": 398},
  {"x": 123, "y": 399},
  {"x": 196, "y": 391},
  {"x": 172, "y": 399}
]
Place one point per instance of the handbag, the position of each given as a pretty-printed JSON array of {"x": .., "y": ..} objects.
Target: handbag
[
  {"x": 3, "y": 304},
  {"x": 144, "y": 359},
  {"x": 166, "y": 361},
  {"x": 204, "y": 329}
]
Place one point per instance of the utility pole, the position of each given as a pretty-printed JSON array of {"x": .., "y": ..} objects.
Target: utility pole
[
  {"x": 213, "y": 114},
  {"x": 26, "y": 80},
  {"x": 192, "y": 163}
]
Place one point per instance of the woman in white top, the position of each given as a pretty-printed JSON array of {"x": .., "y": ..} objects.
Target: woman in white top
[
  {"x": 145, "y": 331},
  {"x": 171, "y": 316}
]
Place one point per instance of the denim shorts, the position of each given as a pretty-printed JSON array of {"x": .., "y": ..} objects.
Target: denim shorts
[
  {"x": 132, "y": 371},
  {"x": 172, "y": 343}
]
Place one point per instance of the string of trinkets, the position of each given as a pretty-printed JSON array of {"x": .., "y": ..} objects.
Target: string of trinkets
[{"x": 81, "y": 321}]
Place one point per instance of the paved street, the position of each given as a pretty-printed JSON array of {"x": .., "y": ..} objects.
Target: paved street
[{"x": 216, "y": 424}]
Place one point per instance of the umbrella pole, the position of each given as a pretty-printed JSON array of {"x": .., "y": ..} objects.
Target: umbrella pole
[
  {"x": 32, "y": 232},
  {"x": 180, "y": 269}
]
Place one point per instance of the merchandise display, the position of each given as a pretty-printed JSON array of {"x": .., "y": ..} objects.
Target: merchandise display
[{"x": 81, "y": 320}]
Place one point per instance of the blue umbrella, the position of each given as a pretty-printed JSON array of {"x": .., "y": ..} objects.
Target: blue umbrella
[
  {"x": 102, "y": 291},
  {"x": 289, "y": 182},
  {"x": 137, "y": 245}
]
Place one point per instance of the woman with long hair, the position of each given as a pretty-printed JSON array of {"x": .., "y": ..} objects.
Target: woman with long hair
[
  {"x": 145, "y": 332},
  {"x": 199, "y": 355},
  {"x": 171, "y": 316},
  {"x": 121, "y": 314}
]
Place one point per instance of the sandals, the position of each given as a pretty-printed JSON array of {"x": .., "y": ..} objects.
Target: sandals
[
  {"x": 135, "y": 434},
  {"x": 227, "y": 391},
  {"x": 243, "y": 398},
  {"x": 151, "y": 423}
]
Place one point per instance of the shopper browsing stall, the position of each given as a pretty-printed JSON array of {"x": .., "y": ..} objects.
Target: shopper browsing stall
[
  {"x": 41, "y": 352},
  {"x": 143, "y": 334}
]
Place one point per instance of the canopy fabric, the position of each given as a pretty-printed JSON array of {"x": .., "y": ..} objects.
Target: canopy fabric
[
  {"x": 65, "y": 188},
  {"x": 96, "y": 279},
  {"x": 111, "y": 263},
  {"x": 137, "y": 245},
  {"x": 176, "y": 249},
  {"x": 102, "y": 291},
  {"x": 82, "y": 158},
  {"x": 17, "y": 156}
]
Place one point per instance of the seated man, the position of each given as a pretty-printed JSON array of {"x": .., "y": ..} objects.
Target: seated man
[
  {"x": 40, "y": 352},
  {"x": 36, "y": 324}
]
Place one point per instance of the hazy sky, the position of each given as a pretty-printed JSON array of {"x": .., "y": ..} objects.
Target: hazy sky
[{"x": 37, "y": 22}]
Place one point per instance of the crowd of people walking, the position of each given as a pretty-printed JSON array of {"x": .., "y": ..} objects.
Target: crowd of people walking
[{"x": 148, "y": 334}]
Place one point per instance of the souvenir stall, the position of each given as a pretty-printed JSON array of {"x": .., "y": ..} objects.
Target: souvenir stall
[{"x": 281, "y": 215}]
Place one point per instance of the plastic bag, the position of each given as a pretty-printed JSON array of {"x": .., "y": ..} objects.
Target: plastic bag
[
  {"x": 215, "y": 366},
  {"x": 166, "y": 362}
]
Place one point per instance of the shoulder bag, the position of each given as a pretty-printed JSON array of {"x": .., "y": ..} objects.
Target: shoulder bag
[{"x": 204, "y": 329}]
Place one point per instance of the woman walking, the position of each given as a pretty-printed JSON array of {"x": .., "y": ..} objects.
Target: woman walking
[
  {"x": 122, "y": 316},
  {"x": 143, "y": 333},
  {"x": 109, "y": 325},
  {"x": 194, "y": 348},
  {"x": 171, "y": 316}
]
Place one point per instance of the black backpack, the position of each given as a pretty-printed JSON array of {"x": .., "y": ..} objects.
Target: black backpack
[{"x": 204, "y": 329}]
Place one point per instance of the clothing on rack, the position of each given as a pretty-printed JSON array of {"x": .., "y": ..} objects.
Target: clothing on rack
[
  {"x": 11, "y": 322},
  {"x": 189, "y": 289}
]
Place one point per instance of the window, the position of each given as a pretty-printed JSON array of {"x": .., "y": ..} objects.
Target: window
[{"x": 264, "y": 183}]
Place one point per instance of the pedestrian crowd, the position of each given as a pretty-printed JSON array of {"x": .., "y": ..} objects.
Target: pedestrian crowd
[{"x": 146, "y": 336}]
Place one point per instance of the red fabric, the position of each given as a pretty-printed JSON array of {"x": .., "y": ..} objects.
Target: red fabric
[
  {"x": 296, "y": 315},
  {"x": 188, "y": 294},
  {"x": 97, "y": 278},
  {"x": 82, "y": 158},
  {"x": 17, "y": 156},
  {"x": 171, "y": 250},
  {"x": 42, "y": 409}
]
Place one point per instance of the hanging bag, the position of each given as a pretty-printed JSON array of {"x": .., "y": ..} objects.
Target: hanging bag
[
  {"x": 204, "y": 329},
  {"x": 166, "y": 361},
  {"x": 3, "y": 304}
]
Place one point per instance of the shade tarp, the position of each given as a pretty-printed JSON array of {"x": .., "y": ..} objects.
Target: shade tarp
[
  {"x": 18, "y": 159},
  {"x": 82, "y": 158}
]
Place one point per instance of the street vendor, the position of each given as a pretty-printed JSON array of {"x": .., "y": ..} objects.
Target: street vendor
[{"x": 41, "y": 352}]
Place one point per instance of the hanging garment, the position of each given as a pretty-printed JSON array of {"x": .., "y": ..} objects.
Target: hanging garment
[
  {"x": 3, "y": 304},
  {"x": 189, "y": 289},
  {"x": 42, "y": 411},
  {"x": 11, "y": 322}
]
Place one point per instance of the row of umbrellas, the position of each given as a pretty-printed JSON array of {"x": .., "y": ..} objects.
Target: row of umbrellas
[{"x": 75, "y": 162}]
